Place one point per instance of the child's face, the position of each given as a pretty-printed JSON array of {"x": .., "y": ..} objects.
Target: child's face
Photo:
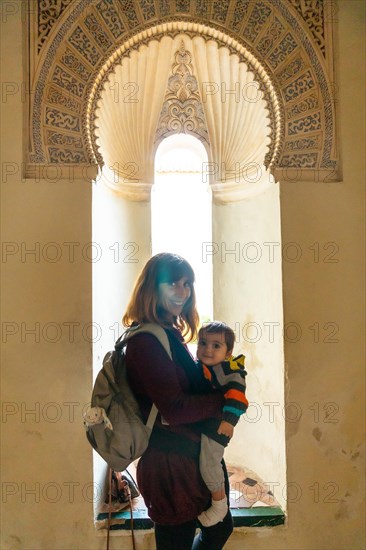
[{"x": 212, "y": 349}]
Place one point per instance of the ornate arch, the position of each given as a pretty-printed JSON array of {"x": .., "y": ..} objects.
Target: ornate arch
[
  {"x": 287, "y": 43},
  {"x": 175, "y": 29}
]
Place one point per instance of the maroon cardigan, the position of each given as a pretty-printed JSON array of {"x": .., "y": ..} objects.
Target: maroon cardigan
[{"x": 168, "y": 478}]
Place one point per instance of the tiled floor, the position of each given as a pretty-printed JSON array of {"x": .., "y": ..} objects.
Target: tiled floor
[{"x": 248, "y": 490}]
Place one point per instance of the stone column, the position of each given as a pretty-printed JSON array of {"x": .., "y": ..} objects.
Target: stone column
[{"x": 247, "y": 293}]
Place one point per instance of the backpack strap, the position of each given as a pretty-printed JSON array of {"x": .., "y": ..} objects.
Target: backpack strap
[
  {"x": 152, "y": 417},
  {"x": 159, "y": 333},
  {"x": 151, "y": 328}
]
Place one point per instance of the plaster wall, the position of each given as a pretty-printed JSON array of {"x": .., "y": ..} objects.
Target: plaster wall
[
  {"x": 122, "y": 242},
  {"x": 248, "y": 295},
  {"x": 46, "y": 462},
  {"x": 121, "y": 239}
]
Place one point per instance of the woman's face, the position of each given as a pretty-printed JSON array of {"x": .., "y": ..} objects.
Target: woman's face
[{"x": 173, "y": 296}]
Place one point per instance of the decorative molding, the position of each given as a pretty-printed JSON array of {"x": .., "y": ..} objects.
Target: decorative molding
[
  {"x": 74, "y": 64},
  {"x": 304, "y": 143},
  {"x": 266, "y": 89},
  {"x": 290, "y": 70},
  {"x": 220, "y": 11},
  {"x": 282, "y": 51},
  {"x": 305, "y": 124},
  {"x": 258, "y": 18},
  {"x": 66, "y": 121},
  {"x": 273, "y": 33},
  {"x": 68, "y": 82},
  {"x": 307, "y": 104},
  {"x": 282, "y": 41},
  {"x": 49, "y": 12},
  {"x": 59, "y": 139},
  {"x": 299, "y": 86},
  {"x": 83, "y": 44},
  {"x": 111, "y": 18},
  {"x": 99, "y": 35},
  {"x": 38, "y": 155},
  {"x": 308, "y": 160},
  {"x": 239, "y": 13},
  {"x": 58, "y": 97},
  {"x": 148, "y": 10},
  {"x": 136, "y": 191},
  {"x": 323, "y": 83},
  {"x": 66, "y": 156},
  {"x": 164, "y": 8},
  {"x": 312, "y": 12},
  {"x": 130, "y": 13},
  {"x": 234, "y": 191},
  {"x": 182, "y": 110}
]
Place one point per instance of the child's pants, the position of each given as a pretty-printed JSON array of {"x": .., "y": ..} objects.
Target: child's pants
[{"x": 210, "y": 464}]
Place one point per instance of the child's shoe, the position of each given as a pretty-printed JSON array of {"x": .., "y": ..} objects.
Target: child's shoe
[{"x": 215, "y": 513}]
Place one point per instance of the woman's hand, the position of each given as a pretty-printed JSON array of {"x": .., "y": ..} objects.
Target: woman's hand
[{"x": 226, "y": 428}]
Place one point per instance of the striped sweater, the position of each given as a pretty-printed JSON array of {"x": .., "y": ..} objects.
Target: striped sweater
[{"x": 229, "y": 376}]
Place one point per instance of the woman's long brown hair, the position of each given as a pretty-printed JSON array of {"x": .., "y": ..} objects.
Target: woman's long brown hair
[{"x": 144, "y": 303}]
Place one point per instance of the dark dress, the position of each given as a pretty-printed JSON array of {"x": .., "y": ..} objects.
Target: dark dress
[{"x": 168, "y": 473}]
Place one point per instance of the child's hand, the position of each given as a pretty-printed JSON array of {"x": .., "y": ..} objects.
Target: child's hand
[{"x": 226, "y": 428}]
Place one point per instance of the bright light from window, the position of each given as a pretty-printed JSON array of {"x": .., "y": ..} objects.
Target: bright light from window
[{"x": 181, "y": 210}]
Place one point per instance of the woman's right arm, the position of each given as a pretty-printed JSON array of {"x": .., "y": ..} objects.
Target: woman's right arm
[{"x": 154, "y": 375}]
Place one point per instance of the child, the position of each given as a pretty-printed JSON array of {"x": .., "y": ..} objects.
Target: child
[{"x": 215, "y": 346}]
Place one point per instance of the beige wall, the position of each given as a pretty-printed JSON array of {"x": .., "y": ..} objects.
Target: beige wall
[
  {"x": 52, "y": 457},
  {"x": 248, "y": 295}
]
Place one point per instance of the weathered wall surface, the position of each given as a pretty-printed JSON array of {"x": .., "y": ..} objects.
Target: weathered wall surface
[
  {"x": 248, "y": 295},
  {"x": 46, "y": 375}
]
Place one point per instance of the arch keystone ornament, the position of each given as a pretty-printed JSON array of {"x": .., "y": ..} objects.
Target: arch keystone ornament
[
  {"x": 199, "y": 91},
  {"x": 286, "y": 45},
  {"x": 182, "y": 110}
]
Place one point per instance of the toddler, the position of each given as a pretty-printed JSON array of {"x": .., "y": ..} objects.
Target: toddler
[{"x": 214, "y": 354}]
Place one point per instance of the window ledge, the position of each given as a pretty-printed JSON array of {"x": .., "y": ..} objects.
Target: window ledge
[
  {"x": 259, "y": 516},
  {"x": 252, "y": 504}
]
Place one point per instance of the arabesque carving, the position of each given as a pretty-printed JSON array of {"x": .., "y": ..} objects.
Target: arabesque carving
[
  {"x": 312, "y": 12},
  {"x": 182, "y": 110},
  {"x": 286, "y": 38},
  {"x": 49, "y": 12}
]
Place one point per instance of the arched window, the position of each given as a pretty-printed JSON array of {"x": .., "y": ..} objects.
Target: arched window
[
  {"x": 181, "y": 210},
  {"x": 244, "y": 249}
]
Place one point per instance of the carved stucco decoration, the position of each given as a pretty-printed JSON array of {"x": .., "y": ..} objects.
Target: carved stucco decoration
[
  {"x": 172, "y": 30},
  {"x": 174, "y": 90},
  {"x": 48, "y": 13},
  {"x": 286, "y": 38},
  {"x": 182, "y": 110},
  {"x": 312, "y": 12}
]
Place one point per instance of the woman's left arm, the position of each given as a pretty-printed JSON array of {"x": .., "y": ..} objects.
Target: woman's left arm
[{"x": 155, "y": 376}]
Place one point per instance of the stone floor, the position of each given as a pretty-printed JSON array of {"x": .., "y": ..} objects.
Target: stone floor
[{"x": 248, "y": 490}]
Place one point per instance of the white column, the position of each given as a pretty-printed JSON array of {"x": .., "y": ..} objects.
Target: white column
[{"x": 248, "y": 296}]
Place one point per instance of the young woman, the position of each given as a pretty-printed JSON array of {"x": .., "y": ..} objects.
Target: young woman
[{"x": 168, "y": 473}]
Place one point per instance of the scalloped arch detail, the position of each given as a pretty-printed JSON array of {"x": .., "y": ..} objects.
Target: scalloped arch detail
[
  {"x": 283, "y": 43},
  {"x": 189, "y": 30}
]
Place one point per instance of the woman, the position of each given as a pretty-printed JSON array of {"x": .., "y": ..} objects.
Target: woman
[{"x": 168, "y": 472}]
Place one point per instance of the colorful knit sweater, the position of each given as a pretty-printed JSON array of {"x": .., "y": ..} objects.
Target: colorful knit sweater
[{"x": 229, "y": 376}]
